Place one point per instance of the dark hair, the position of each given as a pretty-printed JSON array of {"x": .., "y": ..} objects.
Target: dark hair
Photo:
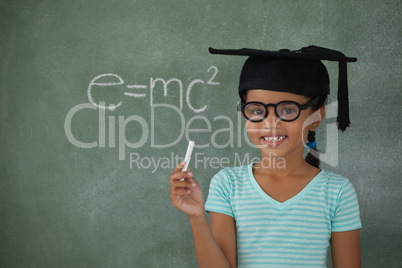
[{"x": 313, "y": 156}]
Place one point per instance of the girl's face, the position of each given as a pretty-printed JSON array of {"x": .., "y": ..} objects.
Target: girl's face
[{"x": 277, "y": 138}]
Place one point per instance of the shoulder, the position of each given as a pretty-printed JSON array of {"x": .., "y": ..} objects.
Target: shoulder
[
  {"x": 334, "y": 181},
  {"x": 223, "y": 187},
  {"x": 231, "y": 175},
  {"x": 343, "y": 203},
  {"x": 337, "y": 189},
  {"x": 240, "y": 171},
  {"x": 231, "y": 178}
]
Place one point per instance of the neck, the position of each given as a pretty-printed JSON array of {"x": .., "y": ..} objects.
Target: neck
[{"x": 282, "y": 166}]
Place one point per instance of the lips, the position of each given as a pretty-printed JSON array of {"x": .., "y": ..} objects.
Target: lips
[
  {"x": 274, "y": 138},
  {"x": 273, "y": 141}
]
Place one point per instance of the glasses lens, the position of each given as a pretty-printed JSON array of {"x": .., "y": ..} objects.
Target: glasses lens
[
  {"x": 254, "y": 111},
  {"x": 287, "y": 111}
]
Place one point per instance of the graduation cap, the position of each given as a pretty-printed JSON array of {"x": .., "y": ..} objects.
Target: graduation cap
[{"x": 298, "y": 71}]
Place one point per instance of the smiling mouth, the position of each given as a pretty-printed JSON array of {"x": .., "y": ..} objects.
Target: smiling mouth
[
  {"x": 274, "y": 138},
  {"x": 273, "y": 141}
]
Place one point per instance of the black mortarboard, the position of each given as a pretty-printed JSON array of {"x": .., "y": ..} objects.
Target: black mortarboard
[{"x": 299, "y": 71}]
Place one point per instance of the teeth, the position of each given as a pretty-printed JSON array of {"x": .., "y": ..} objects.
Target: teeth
[{"x": 274, "y": 138}]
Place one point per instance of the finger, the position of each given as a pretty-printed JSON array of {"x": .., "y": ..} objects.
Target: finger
[
  {"x": 180, "y": 192},
  {"x": 180, "y": 175},
  {"x": 191, "y": 178},
  {"x": 193, "y": 182},
  {"x": 179, "y": 167},
  {"x": 177, "y": 171},
  {"x": 183, "y": 185}
]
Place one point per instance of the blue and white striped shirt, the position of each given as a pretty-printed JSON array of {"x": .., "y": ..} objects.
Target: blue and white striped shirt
[{"x": 295, "y": 233}]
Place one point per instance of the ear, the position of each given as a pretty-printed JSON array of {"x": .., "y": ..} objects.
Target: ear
[{"x": 317, "y": 117}]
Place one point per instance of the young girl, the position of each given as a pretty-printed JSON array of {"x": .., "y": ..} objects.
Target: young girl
[{"x": 288, "y": 216}]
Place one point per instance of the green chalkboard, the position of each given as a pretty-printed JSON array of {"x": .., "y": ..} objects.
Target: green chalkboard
[{"x": 98, "y": 100}]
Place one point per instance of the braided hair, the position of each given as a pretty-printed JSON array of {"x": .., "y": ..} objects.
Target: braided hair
[{"x": 313, "y": 156}]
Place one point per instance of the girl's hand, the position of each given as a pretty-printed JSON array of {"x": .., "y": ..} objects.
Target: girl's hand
[{"x": 186, "y": 195}]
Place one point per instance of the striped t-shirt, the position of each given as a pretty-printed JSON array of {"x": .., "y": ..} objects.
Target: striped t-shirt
[{"x": 295, "y": 233}]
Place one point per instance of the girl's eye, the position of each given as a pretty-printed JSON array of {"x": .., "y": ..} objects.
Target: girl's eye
[
  {"x": 254, "y": 111},
  {"x": 257, "y": 112},
  {"x": 288, "y": 110}
]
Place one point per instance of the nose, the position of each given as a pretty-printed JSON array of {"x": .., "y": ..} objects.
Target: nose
[{"x": 272, "y": 121}]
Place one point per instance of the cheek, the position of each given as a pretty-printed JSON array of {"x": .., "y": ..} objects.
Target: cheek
[
  {"x": 305, "y": 122},
  {"x": 297, "y": 131},
  {"x": 254, "y": 129},
  {"x": 305, "y": 134}
]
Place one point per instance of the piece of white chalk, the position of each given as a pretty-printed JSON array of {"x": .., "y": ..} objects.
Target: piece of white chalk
[{"x": 187, "y": 158}]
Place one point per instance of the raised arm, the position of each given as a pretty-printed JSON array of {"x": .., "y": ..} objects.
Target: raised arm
[{"x": 215, "y": 246}]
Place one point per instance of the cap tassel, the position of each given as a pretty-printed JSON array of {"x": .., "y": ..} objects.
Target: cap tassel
[
  {"x": 343, "y": 100},
  {"x": 305, "y": 53}
]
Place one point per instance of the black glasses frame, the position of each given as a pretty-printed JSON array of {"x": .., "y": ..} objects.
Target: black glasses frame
[{"x": 300, "y": 106}]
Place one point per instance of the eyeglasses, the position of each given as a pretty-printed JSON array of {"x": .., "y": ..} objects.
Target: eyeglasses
[{"x": 256, "y": 111}]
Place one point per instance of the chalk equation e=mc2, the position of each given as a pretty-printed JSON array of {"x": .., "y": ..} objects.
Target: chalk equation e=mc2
[{"x": 140, "y": 91}]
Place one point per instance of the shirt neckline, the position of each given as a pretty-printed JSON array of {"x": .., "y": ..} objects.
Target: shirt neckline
[{"x": 289, "y": 202}]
